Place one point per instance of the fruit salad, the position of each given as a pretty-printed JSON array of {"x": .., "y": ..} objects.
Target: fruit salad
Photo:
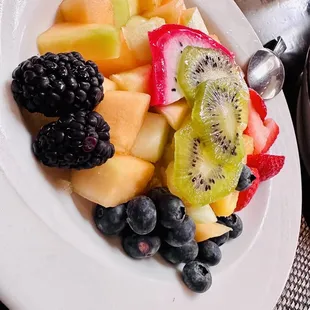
[{"x": 153, "y": 118}]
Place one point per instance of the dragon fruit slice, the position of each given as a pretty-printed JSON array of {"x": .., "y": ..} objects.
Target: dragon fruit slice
[{"x": 167, "y": 44}]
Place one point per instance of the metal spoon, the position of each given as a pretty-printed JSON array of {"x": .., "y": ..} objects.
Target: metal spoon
[{"x": 266, "y": 72}]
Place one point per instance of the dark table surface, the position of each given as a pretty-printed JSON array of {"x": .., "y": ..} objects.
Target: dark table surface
[{"x": 291, "y": 20}]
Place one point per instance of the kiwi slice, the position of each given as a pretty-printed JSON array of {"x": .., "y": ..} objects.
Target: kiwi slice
[
  {"x": 199, "y": 64},
  {"x": 219, "y": 115},
  {"x": 197, "y": 176}
]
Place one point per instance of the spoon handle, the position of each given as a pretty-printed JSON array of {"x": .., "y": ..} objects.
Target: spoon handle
[
  {"x": 277, "y": 46},
  {"x": 280, "y": 48}
]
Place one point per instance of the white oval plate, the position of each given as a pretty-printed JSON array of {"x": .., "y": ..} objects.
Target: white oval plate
[{"x": 53, "y": 258}]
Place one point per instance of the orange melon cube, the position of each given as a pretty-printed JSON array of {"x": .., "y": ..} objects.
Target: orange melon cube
[
  {"x": 125, "y": 113},
  {"x": 137, "y": 79},
  {"x": 225, "y": 206},
  {"x": 120, "y": 179},
  {"x": 170, "y": 11},
  {"x": 175, "y": 113},
  {"x": 210, "y": 230},
  {"x": 125, "y": 61},
  {"x": 149, "y": 5},
  {"x": 87, "y": 11}
]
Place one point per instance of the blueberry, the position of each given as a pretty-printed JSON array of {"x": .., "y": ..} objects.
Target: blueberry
[
  {"x": 234, "y": 222},
  {"x": 183, "y": 254},
  {"x": 141, "y": 246},
  {"x": 110, "y": 221},
  {"x": 221, "y": 239},
  {"x": 157, "y": 192},
  {"x": 197, "y": 277},
  {"x": 171, "y": 211},
  {"x": 209, "y": 252},
  {"x": 141, "y": 215},
  {"x": 246, "y": 179},
  {"x": 182, "y": 234}
]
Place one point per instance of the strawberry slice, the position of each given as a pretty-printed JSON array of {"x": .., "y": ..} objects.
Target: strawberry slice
[
  {"x": 264, "y": 133},
  {"x": 258, "y": 104},
  {"x": 267, "y": 165},
  {"x": 274, "y": 130},
  {"x": 246, "y": 196},
  {"x": 167, "y": 44}
]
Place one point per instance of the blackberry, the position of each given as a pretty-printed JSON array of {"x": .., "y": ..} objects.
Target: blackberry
[
  {"x": 76, "y": 141},
  {"x": 57, "y": 84}
]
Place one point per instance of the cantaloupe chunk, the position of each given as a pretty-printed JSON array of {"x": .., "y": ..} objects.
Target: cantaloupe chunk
[
  {"x": 175, "y": 113},
  {"x": 149, "y": 5},
  {"x": 193, "y": 19},
  {"x": 210, "y": 230},
  {"x": 87, "y": 11},
  {"x": 136, "y": 35},
  {"x": 152, "y": 138},
  {"x": 120, "y": 179},
  {"x": 93, "y": 41},
  {"x": 109, "y": 85},
  {"x": 126, "y": 60},
  {"x": 170, "y": 11},
  {"x": 167, "y": 1},
  {"x": 137, "y": 79},
  {"x": 112, "y": 12},
  {"x": 125, "y": 112},
  {"x": 226, "y": 206},
  {"x": 248, "y": 144}
]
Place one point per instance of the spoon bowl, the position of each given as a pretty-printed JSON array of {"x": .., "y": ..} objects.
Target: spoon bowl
[{"x": 266, "y": 73}]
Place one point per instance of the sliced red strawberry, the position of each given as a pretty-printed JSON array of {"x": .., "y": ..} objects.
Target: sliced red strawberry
[
  {"x": 258, "y": 104},
  {"x": 246, "y": 196},
  {"x": 256, "y": 130},
  {"x": 167, "y": 44},
  {"x": 267, "y": 165},
  {"x": 264, "y": 133},
  {"x": 274, "y": 130}
]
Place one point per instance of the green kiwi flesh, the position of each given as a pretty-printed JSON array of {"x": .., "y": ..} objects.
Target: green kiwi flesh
[
  {"x": 219, "y": 115},
  {"x": 201, "y": 64},
  {"x": 197, "y": 176}
]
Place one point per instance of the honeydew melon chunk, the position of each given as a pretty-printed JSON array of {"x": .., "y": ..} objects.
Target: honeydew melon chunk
[
  {"x": 152, "y": 138},
  {"x": 126, "y": 60},
  {"x": 93, "y": 41},
  {"x": 202, "y": 215},
  {"x": 136, "y": 35}
]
